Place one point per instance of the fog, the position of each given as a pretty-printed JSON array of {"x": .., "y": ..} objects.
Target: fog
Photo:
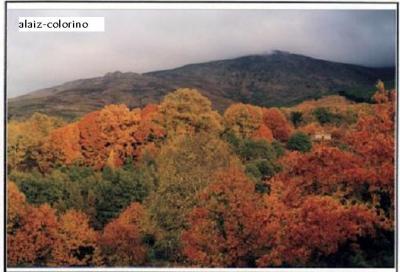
[{"x": 148, "y": 40}]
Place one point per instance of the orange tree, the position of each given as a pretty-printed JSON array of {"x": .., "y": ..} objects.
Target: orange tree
[
  {"x": 373, "y": 141},
  {"x": 225, "y": 227},
  {"x": 121, "y": 240},
  {"x": 76, "y": 243},
  {"x": 276, "y": 121},
  {"x": 106, "y": 137},
  {"x": 32, "y": 242}
]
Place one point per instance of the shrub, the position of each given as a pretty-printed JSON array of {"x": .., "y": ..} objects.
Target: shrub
[
  {"x": 296, "y": 117},
  {"x": 300, "y": 142},
  {"x": 325, "y": 116}
]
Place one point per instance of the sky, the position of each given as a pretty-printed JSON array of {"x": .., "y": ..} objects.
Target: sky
[{"x": 148, "y": 40}]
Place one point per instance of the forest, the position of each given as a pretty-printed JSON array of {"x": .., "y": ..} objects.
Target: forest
[{"x": 178, "y": 184}]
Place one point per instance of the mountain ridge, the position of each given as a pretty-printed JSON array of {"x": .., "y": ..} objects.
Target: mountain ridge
[{"x": 277, "y": 79}]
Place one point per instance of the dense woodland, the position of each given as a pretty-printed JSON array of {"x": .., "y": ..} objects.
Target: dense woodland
[{"x": 179, "y": 184}]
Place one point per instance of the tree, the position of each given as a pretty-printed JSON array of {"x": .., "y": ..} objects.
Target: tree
[
  {"x": 109, "y": 136},
  {"x": 246, "y": 121},
  {"x": 381, "y": 95},
  {"x": 299, "y": 141},
  {"x": 32, "y": 242},
  {"x": 259, "y": 158},
  {"x": 40, "y": 189},
  {"x": 76, "y": 243},
  {"x": 255, "y": 149},
  {"x": 185, "y": 167},
  {"x": 310, "y": 129},
  {"x": 276, "y": 121},
  {"x": 296, "y": 117},
  {"x": 17, "y": 207},
  {"x": 224, "y": 227},
  {"x": 331, "y": 190},
  {"x": 373, "y": 140},
  {"x": 121, "y": 241},
  {"x": 187, "y": 111},
  {"x": 62, "y": 147},
  {"x": 259, "y": 170},
  {"x": 263, "y": 133},
  {"x": 109, "y": 130},
  {"x": 64, "y": 188},
  {"x": 36, "y": 237},
  {"x": 323, "y": 171},
  {"x": 117, "y": 189},
  {"x": 315, "y": 228},
  {"x": 325, "y": 116},
  {"x": 24, "y": 137}
]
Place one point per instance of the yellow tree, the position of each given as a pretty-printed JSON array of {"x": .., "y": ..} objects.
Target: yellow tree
[
  {"x": 60, "y": 148},
  {"x": 244, "y": 120},
  {"x": 76, "y": 243},
  {"x": 187, "y": 111},
  {"x": 24, "y": 137}
]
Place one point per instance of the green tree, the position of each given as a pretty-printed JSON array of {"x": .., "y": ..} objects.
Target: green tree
[
  {"x": 258, "y": 156},
  {"x": 118, "y": 188},
  {"x": 185, "y": 166},
  {"x": 299, "y": 141},
  {"x": 296, "y": 117},
  {"x": 101, "y": 195},
  {"x": 256, "y": 149},
  {"x": 325, "y": 116}
]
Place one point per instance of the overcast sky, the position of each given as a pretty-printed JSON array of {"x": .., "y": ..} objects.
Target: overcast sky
[{"x": 148, "y": 40}]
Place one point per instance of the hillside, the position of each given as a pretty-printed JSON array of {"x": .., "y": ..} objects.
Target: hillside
[
  {"x": 178, "y": 184},
  {"x": 278, "y": 79}
]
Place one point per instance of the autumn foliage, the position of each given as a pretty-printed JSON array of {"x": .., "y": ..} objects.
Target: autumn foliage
[
  {"x": 76, "y": 241},
  {"x": 317, "y": 227},
  {"x": 24, "y": 138},
  {"x": 180, "y": 184},
  {"x": 373, "y": 141},
  {"x": 121, "y": 240},
  {"x": 277, "y": 123},
  {"x": 32, "y": 241},
  {"x": 105, "y": 137},
  {"x": 225, "y": 225},
  {"x": 38, "y": 237},
  {"x": 250, "y": 121}
]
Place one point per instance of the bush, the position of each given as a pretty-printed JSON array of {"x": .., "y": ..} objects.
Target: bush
[
  {"x": 299, "y": 141},
  {"x": 279, "y": 148},
  {"x": 296, "y": 117},
  {"x": 259, "y": 170},
  {"x": 325, "y": 116},
  {"x": 256, "y": 149}
]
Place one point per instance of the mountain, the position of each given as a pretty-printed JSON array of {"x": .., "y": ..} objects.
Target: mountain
[{"x": 277, "y": 79}]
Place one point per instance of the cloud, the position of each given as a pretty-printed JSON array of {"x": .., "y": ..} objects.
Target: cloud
[{"x": 147, "y": 40}]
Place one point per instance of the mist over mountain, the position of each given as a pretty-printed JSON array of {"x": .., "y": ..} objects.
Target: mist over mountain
[{"x": 273, "y": 79}]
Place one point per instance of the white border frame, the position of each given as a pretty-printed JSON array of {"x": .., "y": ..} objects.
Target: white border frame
[
  {"x": 186, "y": 5},
  {"x": 306, "y": 5}
]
